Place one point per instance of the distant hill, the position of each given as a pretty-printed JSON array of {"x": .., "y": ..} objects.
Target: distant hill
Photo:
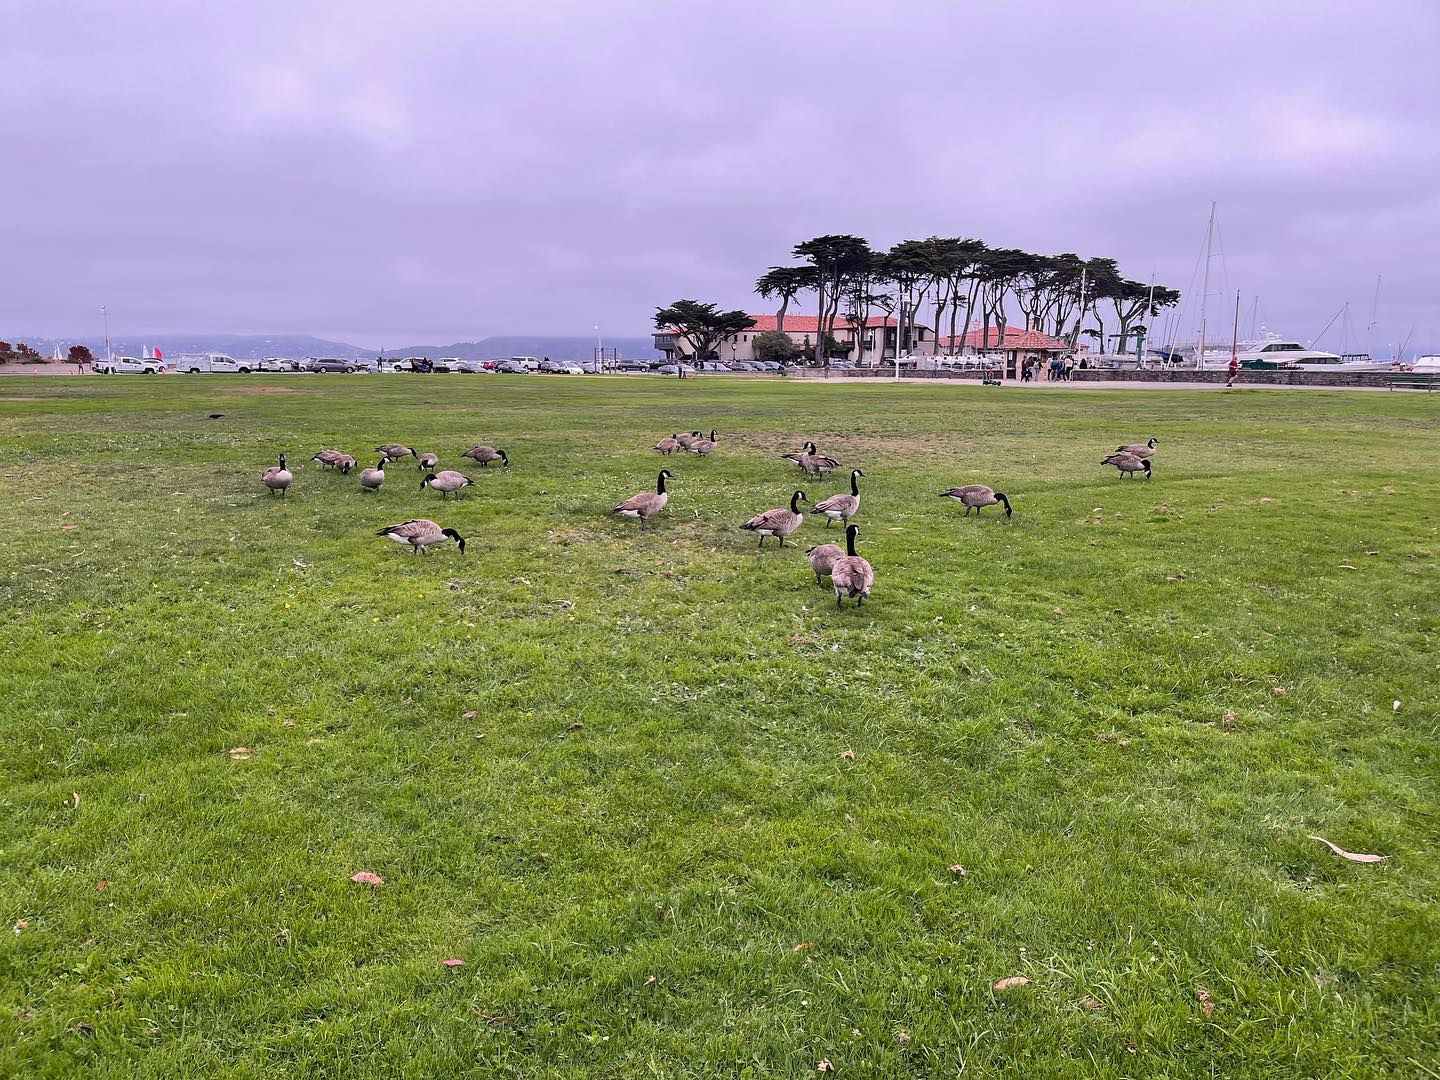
[
  {"x": 254, "y": 346},
  {"x": 556, "y": 348}
]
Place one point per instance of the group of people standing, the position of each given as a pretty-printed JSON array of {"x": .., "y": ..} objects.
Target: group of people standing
[{"x": 1056, "y": 369}]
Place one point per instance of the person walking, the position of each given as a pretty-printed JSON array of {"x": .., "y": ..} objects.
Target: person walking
[{"x": 1234, "y": 369}]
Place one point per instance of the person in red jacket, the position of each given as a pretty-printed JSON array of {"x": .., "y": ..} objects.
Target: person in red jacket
[{"x": 1234, "y": 369}]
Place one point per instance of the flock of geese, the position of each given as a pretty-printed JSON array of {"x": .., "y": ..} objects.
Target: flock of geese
[{"x": 851, "y": 575}]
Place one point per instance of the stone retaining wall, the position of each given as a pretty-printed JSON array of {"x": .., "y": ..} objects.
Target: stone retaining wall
[{"x": 1099, "y": 375}]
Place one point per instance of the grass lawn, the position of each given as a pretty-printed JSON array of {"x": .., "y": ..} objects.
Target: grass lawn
[{"x": 677, "y": 815}]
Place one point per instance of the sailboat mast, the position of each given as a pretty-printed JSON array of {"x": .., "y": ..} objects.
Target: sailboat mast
[
  {"x": 1205, "y": 289},
  {"x": 1235, "y": 334}
]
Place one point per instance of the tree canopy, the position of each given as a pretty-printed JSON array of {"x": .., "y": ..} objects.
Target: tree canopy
[{"x": 701, "y": 325}]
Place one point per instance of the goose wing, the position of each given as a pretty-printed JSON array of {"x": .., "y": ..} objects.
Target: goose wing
[
  {"x": 644, "y": 501},
  {"x": 770, "y": 519},
  {"x": 410, "y": 529},
  {"x": 840, "y": 503}
]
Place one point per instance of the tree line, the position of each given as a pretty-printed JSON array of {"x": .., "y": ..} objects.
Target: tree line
[
  {"x": 943, "y": 283},
  {"x": 20, "y": 353}
]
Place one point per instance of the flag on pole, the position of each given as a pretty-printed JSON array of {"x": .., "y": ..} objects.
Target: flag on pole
[{"x": 157, "y": 353}]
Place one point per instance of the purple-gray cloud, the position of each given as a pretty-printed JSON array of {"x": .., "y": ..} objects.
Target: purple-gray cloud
[{"x": 394, "y": 174}]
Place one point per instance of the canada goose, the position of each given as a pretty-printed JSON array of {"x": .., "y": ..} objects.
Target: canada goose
[
  {"x": 1140, "y": 450},
  {"x": 794, "y": 459},
  {"x": 277, "y": 477},
  {"x": 686, "y": 438},
  {"x": 446, "y": 481},
  {"x": 394, "y": 451},
  {"x": 421, "y": 534},
  {"x": 486, "y": 454},
  {"x": 327, "y": 458},
  {"x": 779, "y": 522},
  {"x": 669, "y": 444},
  {"x": 815, "y": 463},
  {"x": 647, "y": 503},
  {"x": 345, "y": 463},
  {"x": 822, "y": 558},
  {"x": 1127, "y": 464},
  {"x": 217, "y": 416},
  {"x": 841, "y": 507},
  {"x": 851, "y": 575},
  {"x": 371, "y": 479},
  {"x": 976, "y": 496},
  {"x": 704, "y": 446},
  {"x": 427, "y": 461}
]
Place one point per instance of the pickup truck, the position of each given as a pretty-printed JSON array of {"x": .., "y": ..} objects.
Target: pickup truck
[
  {"x": 216, "y": 363},
  {"x": 128, "y": 365}
]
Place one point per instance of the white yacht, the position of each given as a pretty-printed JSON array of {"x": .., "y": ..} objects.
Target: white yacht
[
  {"x": 1427, "y": 365},
  {"x": 1289, "y": 355}
]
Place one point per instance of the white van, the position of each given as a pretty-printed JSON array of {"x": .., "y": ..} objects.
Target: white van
[{"x": 529, "y": 363}]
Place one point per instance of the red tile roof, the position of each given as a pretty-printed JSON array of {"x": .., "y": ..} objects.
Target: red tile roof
[
  {"x": 1015, "y": 338},
  {"x": 804, "y": 324}
]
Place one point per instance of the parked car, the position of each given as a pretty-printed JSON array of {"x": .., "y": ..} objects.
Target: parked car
[
  {"x": 128, "y": 365},
  {"x": 322, "y": 364},
  {"x": 631, "y": 365},
  {"x": 565, "y": 367},
  {"x": 529, "y": 363},
  {"x": 277, "y": 364},
  {"x": 469, "y": 367},
  {"x": 511, "y": 367}
]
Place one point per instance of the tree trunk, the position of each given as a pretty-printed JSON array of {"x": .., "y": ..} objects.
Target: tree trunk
[{"x": 780, "y": 315}]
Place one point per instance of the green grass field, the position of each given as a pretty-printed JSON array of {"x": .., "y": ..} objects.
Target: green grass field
[{"x": 678, "y": 815}]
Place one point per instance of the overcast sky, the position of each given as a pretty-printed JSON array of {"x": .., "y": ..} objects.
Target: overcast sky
[{"x": 426, "y": 172}]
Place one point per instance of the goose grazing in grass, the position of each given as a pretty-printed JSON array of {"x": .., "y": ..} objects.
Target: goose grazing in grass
[
  {"x": 686, "y": 438},
  {"x": 669, "y": 444},
  {"x": 648, "y": 503},
  {"x": 841, "y": 507},
  {"x": 427, "y": 461},
  {"x": 815, "y": 463},
  {"x": 421, "y": 534},
  {"x": 447, "y": 481},
  {"x": 485, "y": 454},
  {"x": 1140, "y": 450},
  {"x": 704, "y": 447},
  {"x": 345, "y": 463},
  {"x": 851, "y": 575},
  {"x": 974, "y": 496},
  {"x": 822, "y": 559},
  {"x": 371, "y": 479},
  {"x": 779, "y": 522},
  {"x": 277, "y": 477},
  {"x": 394, "y": 451},
  {"x": 328, "y": 458},
  {"x": 1127, "y": 464}
]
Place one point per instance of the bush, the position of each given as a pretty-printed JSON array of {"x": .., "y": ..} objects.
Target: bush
[{"x": 774, "y": 347}]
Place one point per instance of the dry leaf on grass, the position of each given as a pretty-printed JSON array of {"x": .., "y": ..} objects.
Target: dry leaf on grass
[
  {"x": 69, "y": 526},
  {"x": 575, "y": 726},
  {"x": 101, "y": 885},
  {"x": 83, "y": 1028},
  {"x": 469, "y": 714},
  {"x": 1277, "y": 691},
  {"x": 650, "y": 981},
  {"x": 1395, "y": 705},
  {"x": 848, "y": 755},
  {"x": 74, "y": 801},
  {"x": 902, "y": 1037},
  {"x": 1010, "y": 983},
  {"x": 1206, "y": 1005},
  {"x": 20, "y": 924},
  {"x": 957, "y": 870},
  {"x": 1090, "y": 1004},
  {"x": 1228, "y": 719},
  {"x": 452, "y": 961},
  {"x": 489, "y": 1019},
  {"x": 240, "y": 753},
  {"x": 365, "y": 877},
  {"x": 825, "y": 1066},
  {"x": 1353, "y": 856},
  {"x": 802, "y": 947}
]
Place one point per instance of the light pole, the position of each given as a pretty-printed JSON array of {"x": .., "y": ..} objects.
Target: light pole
[
  {"x": 106, "y": 316},
  {"x": 599, "y": 350}
]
